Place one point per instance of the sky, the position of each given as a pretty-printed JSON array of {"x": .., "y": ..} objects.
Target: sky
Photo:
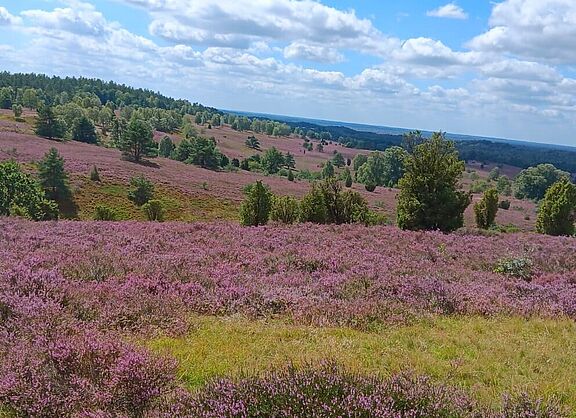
[{"x": 503, "y": 69}]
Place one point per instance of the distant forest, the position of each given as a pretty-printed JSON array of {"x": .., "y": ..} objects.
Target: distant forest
[{"x": 31, "y": 89}]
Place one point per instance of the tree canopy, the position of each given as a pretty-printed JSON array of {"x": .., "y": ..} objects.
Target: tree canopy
[{"x": 429, "y": 196}]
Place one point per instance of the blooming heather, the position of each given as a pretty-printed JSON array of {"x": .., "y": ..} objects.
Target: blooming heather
[{"x": 73, "y": 293}]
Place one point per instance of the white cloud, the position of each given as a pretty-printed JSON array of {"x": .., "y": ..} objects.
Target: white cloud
[
  {"x": 449, "y": 11},
  {"x": 542, "y": 30},
  {"x": 7, "y": 19},
  {"x": 82, "y": 19},
  {"x": 239, "y": 23},
  {"x": 304, "y": 51}
]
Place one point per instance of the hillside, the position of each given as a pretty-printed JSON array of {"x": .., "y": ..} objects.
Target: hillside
[{"x": 193, "y": 193}]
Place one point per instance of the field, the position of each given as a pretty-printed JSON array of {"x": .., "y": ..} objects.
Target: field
[
  {"x": 192, "y": 193},
  {"x": 198, "y": 316},
  {"x": 229, "y": 301}
]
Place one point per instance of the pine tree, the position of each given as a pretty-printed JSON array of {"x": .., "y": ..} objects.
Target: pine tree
[
  {"x": 53, "y": 177},
  {"x": 255, "y": 209},
  {"x": 83, "y": 130},
  {"x": 429, "y": 197},
  {"x": 47, "y": 125},
  {"x": 166, "y": 147},
  {"x": 328, "y": 170},
  {"x": 137, "y": 141}
]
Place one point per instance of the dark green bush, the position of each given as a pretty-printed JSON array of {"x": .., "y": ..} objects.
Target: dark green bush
[
  {"x": 141, "y": 190},
  {"x": 154, "y": 210}
]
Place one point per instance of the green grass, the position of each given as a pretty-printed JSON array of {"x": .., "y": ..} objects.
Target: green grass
[
  {"x": 177, "y": 205},
  {"x": 487, "y": 356}
]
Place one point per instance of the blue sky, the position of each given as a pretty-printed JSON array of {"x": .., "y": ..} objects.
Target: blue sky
[{"x": 505, "y": 69}]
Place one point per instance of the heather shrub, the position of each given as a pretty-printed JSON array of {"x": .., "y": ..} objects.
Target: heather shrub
[
  {"x": 285, "y": 209},
  {"x": 104, "y": 213},
  {"x": 557, "y": 212},
  {"x": 255, "y": 209},
  {"x": 329, "y": 391},
  {"x": 520, "y": 267},
  {"x": 154, "y": 210},
  {"x": 141, "y": 190},
  {"x": 486, "y": 209},
  {"x": 70, "y": 371}
]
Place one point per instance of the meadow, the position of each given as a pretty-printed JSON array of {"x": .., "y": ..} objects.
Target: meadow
[{"x": 106, "y": 308}]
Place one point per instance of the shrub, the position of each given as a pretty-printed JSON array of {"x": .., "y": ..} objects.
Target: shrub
[
  {"x": 255, "y": 209},
  {"x": 486, "y": 209},
  {"x": 75, "y": 373},
  {"x": 285, "y": 209},
  {"x": 557, "y": 212},
  {"x": 154, "y": 210},
  {"x": 290, "y": 175},
  {"x": 520, "y": 268},
  {"x": 370, "y": 186},
  {"x": 329, "y": 391},
  {"x": 104, "y": 213},
  {"x": 504, "y": 204},
  {"x": 141, "y": 190},
  {"x": 22, "y": 195},
  {"x": 312, "y": 206},
  {"x": 94, "y": 174}
]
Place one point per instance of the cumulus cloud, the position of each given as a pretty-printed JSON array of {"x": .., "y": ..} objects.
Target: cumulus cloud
[
  {"x": 535, "y": 29},
  {"x": 8, "y": 19},
  {"x": 303, "y": 51},
  {"x": 448, "y": 11},
  {"x": 239, "y": 23}
]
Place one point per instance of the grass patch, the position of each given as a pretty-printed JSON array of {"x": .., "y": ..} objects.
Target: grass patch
[
  {"x": 178, "y": 206},
  {"x": 489, "y": 357}
]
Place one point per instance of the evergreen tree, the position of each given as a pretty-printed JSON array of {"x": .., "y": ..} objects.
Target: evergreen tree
[
  {"x": 557, "y": 212},
  {"x": 252, "y": 142},
  {"x": 17, "y": 109},
  {"x": 53, "y": 177},
  {"x": 486, "y": 209},
  {"x": 289, "y": 161},
  {"x": 255, "y": 209},
  {"x": 338, "y": 160},
  {"x": 328, "y": 170},
  {"x": 141, "y": 190},
  {"x": 166, "y": 147},
  {"x": 272, "y": 160},
  {"x": 47, "y": 125},
  {"x": 290, "y": 175},
  {"x": 312, "y": 206},
  {"x": 83, "y": 130},
  {"x": 429, "y": 197},
  {"x": 348, "y": 178},
  {"x": 137, "y": 141}
]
